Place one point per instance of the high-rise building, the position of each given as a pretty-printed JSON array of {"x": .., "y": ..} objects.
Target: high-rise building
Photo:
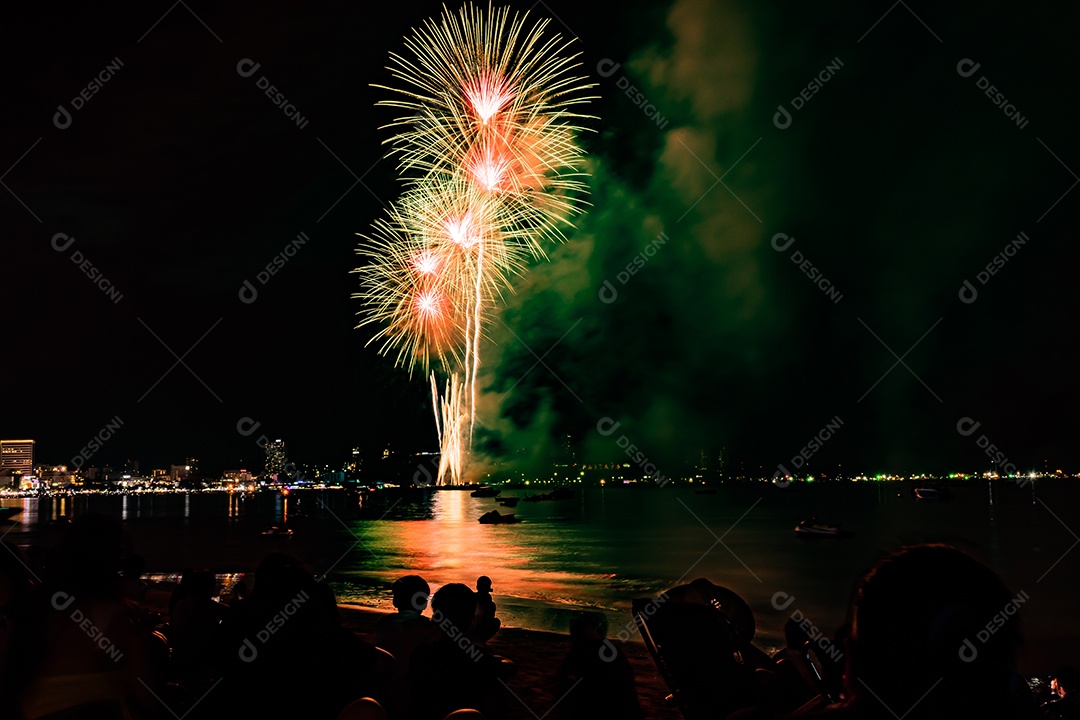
[
  {"x": 16, "y": 457},
  {"x": 275, "y": 458},
  {"x": 356, "y": 461}
]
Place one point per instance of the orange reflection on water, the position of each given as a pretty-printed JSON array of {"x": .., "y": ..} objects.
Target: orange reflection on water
[{"x": 455, "y": 547}]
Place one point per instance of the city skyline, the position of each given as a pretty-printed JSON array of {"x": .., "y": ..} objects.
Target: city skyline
[{"x": 275, "y": 464}]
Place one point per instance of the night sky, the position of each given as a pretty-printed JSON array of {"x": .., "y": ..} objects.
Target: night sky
[{"x": 899, "y": 179}]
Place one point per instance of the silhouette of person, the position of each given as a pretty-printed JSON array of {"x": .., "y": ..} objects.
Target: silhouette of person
[
  {"x": 453, "y": 673},
  {"x": 407, "y": 629},
  {"x": 400, "y": 633},
  {"x": 484, "y": 602},
  {"x": 134, "y": 589},
  {"x": 833, "y": 662},
  {"x": 194, "y": 627},
  {"x": 486, "y": 624},
  {"x": 78, "y": 651},
  {"x": 288, "y": 635},
  {"x": 915, "y": 648},
  {"x": 595, "y": 681},
  {"x": 795, "y": 683},
  {"x": 17, "y": 589},
  {"x": 182, "y": 590}
]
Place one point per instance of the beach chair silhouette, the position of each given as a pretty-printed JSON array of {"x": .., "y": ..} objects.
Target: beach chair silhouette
[
  {"x": 700, "y": 637},
  {"x": 698, "y": 651}
]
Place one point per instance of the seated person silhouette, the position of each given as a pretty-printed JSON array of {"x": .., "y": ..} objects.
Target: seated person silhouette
[
  {"x": 402, "y": 632},
  {"x": 407, "y": 629},
  {"x": 55, "y": 667},
  {"x": 595, "y": 680},
  {"x": 919, "y": 647},
  {"x": 486, "y": 624},
  {"x": 134, "y": 589},
  {"x": 453, "y": 673},
  {"x": 286, "y": 654},
  {"x": 794, "y": 681},
  {"x": 194, "y": 628}
]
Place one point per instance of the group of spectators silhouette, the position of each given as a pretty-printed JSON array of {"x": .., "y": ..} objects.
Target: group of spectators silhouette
[
  {"x": 933, "y": 633},
  {"x": 77, "y": 641}
]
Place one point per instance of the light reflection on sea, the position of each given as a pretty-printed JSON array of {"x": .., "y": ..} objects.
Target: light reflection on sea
[{"x": 603, "y": 548}]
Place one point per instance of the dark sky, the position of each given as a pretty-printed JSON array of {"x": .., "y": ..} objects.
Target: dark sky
[{"x": 899, "y": 179}]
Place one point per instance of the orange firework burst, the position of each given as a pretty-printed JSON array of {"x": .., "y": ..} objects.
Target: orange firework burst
[
  {"x": 487, "y": 93},
  {"x": 487, "y": 144},
  {"x": 495, "y": 96}
]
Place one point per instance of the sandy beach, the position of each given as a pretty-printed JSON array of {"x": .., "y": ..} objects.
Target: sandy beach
[{"x": 537, "y": 656}]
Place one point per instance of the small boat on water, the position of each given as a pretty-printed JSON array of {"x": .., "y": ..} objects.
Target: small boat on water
[
  {"x": 496, "y": 518},
  {"x": 6, "y": 513},
  {"x": 485, "y": 491},
  {"x": 278, "y": 531},
  {"x": 509, "y": 501},
  {"x": 933, "y": 492},
  {"x": 814, "y": 528},
  {"x": 556, "y": 494}
]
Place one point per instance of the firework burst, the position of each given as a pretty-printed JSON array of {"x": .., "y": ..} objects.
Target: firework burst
[{"x": 486, "y": 143}]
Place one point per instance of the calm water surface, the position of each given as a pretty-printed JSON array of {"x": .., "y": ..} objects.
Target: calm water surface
[{"x": 605, "y": 547}]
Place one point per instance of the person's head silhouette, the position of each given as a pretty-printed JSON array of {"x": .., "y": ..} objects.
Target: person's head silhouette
[
  {"x": 411, "y": 592},
  {"x": 455, "y": 603},
  {"x": 920, "y": 639}
]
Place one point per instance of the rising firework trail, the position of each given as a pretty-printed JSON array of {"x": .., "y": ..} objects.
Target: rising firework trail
[{"x": 486, "y": 145}]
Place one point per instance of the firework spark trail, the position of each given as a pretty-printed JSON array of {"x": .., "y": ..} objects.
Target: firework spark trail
[
  {"x": 486, "y": 144},
  {"x": 475, "y": 345},
  {"x": 448, "y": 420}
]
